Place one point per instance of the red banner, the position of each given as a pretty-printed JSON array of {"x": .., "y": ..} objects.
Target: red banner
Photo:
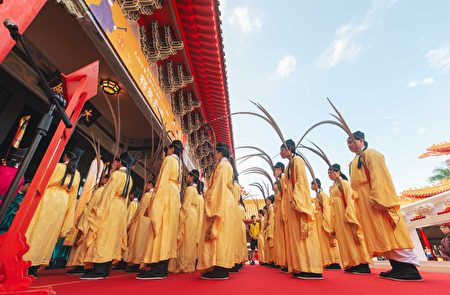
[{"x": 21, "y": 12}]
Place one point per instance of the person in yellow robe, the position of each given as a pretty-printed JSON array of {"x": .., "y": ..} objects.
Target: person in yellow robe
[
  {"x": 200, "y": 213},
  {"x": 138, "y": 231},
  {"x": 268, "y": 232},
  {"x": 216, "y": 245},
  {"x": 261, "y": 240},
  {"x": 237, "y": 242},
  {"x": 243, "y": 242},
  {"x": 54, "y": 216},
  {"x": 106, "y": 238},
  {"x": 79, "y": 248},
  {"x": 328, "y": 243},
  {"x": 304, "y": 257},
  {"x": 187, "y": 227},
  {"x": 346, "y": 228},
  {"x": 279, "y": 247},
  {"x": 378, "y": 210},
  {"x": 164, "y": 215},
  {"x": 132, "y": 207}
]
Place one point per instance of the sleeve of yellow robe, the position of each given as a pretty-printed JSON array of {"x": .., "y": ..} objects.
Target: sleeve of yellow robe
[
  {"x": 214, "y": 203},
  {"x": 326, "y": 221},
  {"x": 190, "y": 195},
  {"x": 350, "y": 212},
  {"x": 69, "y": 218},
  {"x": 143, "y": 206},
  {"x": 382, "y": 188},
  {"x": 131, "y": 211},
  {"x": 156, "y": 210},
  {"x": 301, "y": 197}
]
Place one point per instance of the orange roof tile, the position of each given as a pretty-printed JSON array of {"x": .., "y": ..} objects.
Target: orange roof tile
[
  {"x": 437, "y": 149},
  {"x": 427, "y": 191},
  {"x": 251, "y": 209}
]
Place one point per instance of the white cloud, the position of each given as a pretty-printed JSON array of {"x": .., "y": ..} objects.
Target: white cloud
[
  {"x": 439, "y": 58},
  {"x": 286, "y": 66},
  {"x": 421, "y": 130},
  {"x": 246, "y": 23},
  {"x": 345, "y": 45},
  {"x": 426, "y": 81}
]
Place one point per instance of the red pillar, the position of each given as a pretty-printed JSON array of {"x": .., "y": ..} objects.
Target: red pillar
[{"x": 425, "y": 241}]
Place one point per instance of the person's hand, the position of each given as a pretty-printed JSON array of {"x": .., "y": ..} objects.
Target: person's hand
[
  {"x": 208, "y": 235},
  {"x": 292, "y": 205},
  {"x": 377, "y": 206}
]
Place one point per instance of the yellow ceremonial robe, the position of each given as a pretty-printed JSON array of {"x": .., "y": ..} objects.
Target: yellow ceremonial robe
[
  {"x": 268, "y": 235},
  {"x": 106, "y": 238},
  {"x": 219, "y": 204},
  {"x": 279, "y": 245},
  {"x": 131, "y": 210},
  {"x": 138, "y": 231},
  {"x": 164, "y": 213},
  {"x": 261, "y": 241},
  {"x": 243, "y": 236},
  {"x": 352, "y": 247},
  {"x": 237, "y": 237},
  {"x": 79, "y": 249},
  {"x": 187, "y": 233},
  {"x": 54, "y": 216},
  {"x": 377, "y": 205},
  {"x": 328, "y": 244},
  {"x": 200, "y": 213},
  {"x": 304, "y": 254}
]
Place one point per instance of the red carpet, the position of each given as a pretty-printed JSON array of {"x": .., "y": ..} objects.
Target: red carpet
[{"x": 251, "y": 280}]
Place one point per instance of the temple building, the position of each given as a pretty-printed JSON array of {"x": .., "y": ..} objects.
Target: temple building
[
  {"x": 428, "y": 207},
  {"x": 162, "y": 77}
]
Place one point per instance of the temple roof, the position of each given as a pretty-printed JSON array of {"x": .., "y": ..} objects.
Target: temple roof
[
  {"x": 437, "y": 149},
  {"x": 251, "y": 207},
  {"x": 427, "y": 191},
  {"x": 202, "y": 36}
]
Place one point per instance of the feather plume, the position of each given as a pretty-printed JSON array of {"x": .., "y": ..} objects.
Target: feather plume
[
  {"x": 266, "y": 157},
  {"x": 257, "y": 170},
  {"x": 318, "y": 151},
  {"x": 260, "y": 187},
  {"x": 271, "y": 121}
]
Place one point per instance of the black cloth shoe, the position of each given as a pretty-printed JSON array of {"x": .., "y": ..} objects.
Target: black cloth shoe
[
  {"x": 79, "y": 270},
  {"x": 385, "y": 274},
  {"x": 122, "y": 265},
  {"x": 94, "y": 275},
  {"x": 307, "y": 276},
  {"x": 285, "y": 269},
  {"x": 405, "y": 272},
  {"x": 252, "y": 262},
  {"x": 270, "y": 265},
  {"x": 362, "y": 268},
  {"x": 157, "y": 272},
  {"x": 218, "y": 273},
  {"x": 33, "y": 270},
  {"x": 333, "y": 266},
  {"x": 235, "y": 268},
  {"x": 277, "y": 266},
  {"x": 134, "y": 268},
  {"x": 100, "y": 271}
]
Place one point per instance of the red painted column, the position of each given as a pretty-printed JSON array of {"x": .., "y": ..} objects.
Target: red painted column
[{"x": 425, "y": 241}]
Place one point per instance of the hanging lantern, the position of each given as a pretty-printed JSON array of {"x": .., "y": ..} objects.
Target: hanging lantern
[{"x": 109, "y": 86}]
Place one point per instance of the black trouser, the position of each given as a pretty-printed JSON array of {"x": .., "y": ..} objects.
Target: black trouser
[
  {"x": 160, "y": 267},
  {"x": 103, "y": 268}
]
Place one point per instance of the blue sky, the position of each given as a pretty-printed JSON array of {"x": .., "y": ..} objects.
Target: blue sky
[{"x": 385, "y": 64}]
